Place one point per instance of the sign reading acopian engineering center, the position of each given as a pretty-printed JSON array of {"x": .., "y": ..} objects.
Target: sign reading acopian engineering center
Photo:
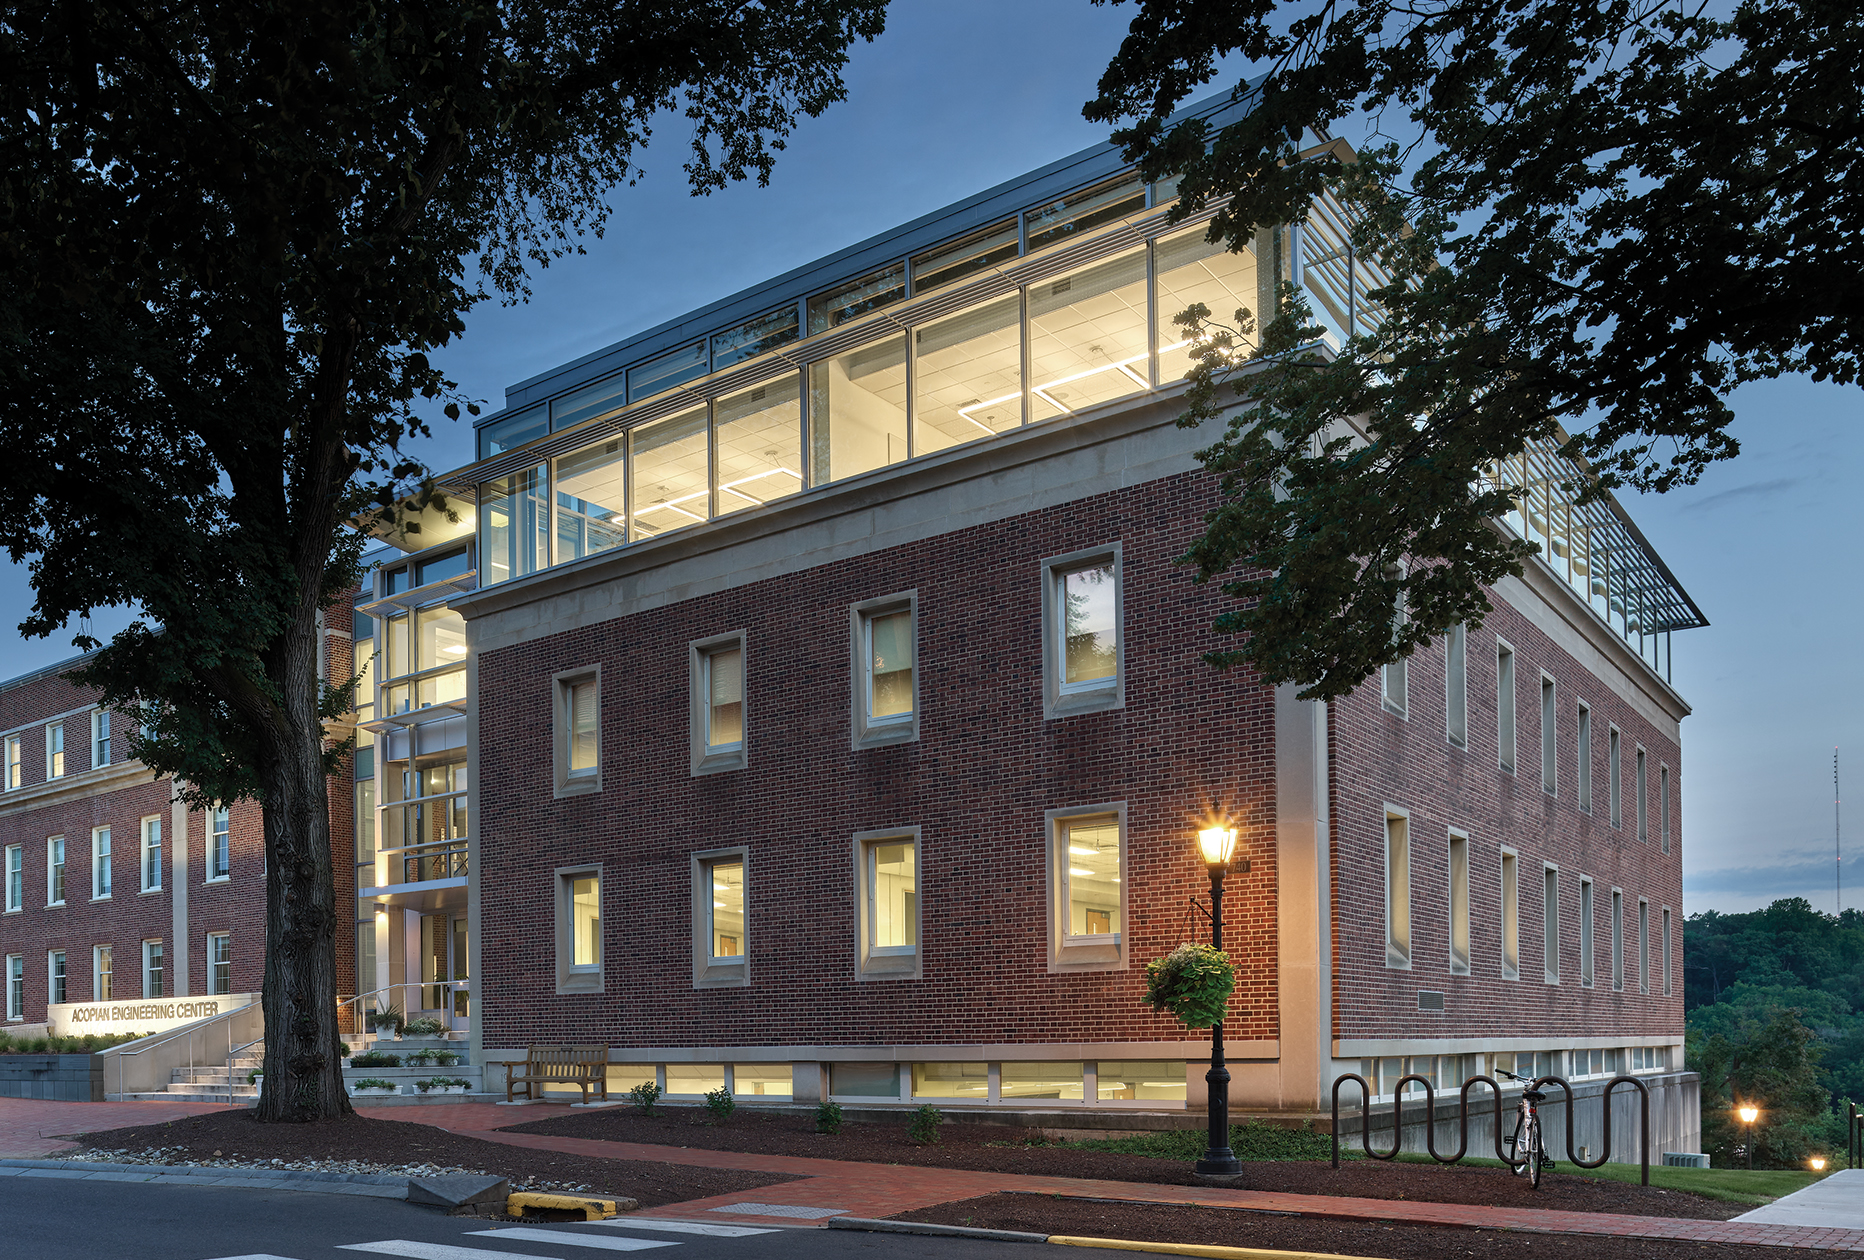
[{"x": 74, "y": 1019}]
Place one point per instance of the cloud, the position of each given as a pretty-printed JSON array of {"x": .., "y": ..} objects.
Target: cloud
[
  {"x": 1801, "y": 870},
  {"x": 1753, "y": 490}
]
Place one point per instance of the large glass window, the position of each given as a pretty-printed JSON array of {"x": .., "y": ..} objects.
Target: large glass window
[
  {"x": 968, "y": 375},
  {"x": 725, "y": 883},
  {"x": 15, "y": 877},
  {"x": 152, "y": 970},
  {"x": 1040, "y": 1080},
  {"x": 151, "y": 854},
  {"x": 857, "y": 411},
  {"x": 14, "y": 777},
  {"x": 1081, "y": 212},
  {"x": 591, "y": 494},
  {"x": 1140, "y": 1081},
  {"x": 365, "y": 679},
  {"x": 55, "y": 975},
  {"x": 219, "y": 843},
  {"x": 1191, "y": 270},
  {"x": 724, "y": 692},
  {"x": 1088, "y": 338},
  {"x": 969, "y": 1081},
  {"x": 1091, "y": 876},
  {"x": 671, "y": 484},
  {"x": 754, "y": 337},
  {"x": 857, "y": 297},
  {"x": 979, "y": 251},
  {"x": 514, "y": 526},
  {"x": 759, "y": 441},
  {"x": 1089, "y": 622},
  {"x": 1459, "y": 904},
  {"x": 603, "y": 398},
  {"x": 55, "y": 751},
  {"x": 893, "y": 896},
  {"x": 889, "y": 666},
  {"x": 1397, "y": 891},
  {"x": 55, "y": 871},
  {"x": 219, "y": 962},
  {"x": 100, "y": 973},
  {"x": 664, "y": 371},
  {"x": 428, "y": 639},
  {"x": 16, "y": 986},
  {"x": 580, "y": 710},
  {"x": 100, "y": 738},
  {"x": 100, "y": 862},
  {"x": 513, "y": 431}
]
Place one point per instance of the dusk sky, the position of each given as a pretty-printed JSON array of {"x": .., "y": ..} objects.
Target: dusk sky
[{"x": 961, "y": 94}]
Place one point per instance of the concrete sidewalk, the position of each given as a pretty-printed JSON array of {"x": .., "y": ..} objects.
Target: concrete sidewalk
[
  {"x": 844, "y": 1187},
  {"x": 1837, "y": 1202}
]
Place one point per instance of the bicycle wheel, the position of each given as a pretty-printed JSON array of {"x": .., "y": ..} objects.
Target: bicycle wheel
[
  {"x": 1533, "y": 1154},
  {"x": 1515, "y": 1163}
]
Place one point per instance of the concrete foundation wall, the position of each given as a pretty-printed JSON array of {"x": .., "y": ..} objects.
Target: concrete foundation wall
[{"x": 54, "y": 1077}]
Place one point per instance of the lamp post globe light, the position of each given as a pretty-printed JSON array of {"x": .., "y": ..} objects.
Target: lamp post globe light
[
  {"x": 1218, "y": 846},
  {"x": 1749, "y": 1114}
]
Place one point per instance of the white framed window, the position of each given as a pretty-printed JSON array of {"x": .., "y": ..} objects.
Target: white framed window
[
  {"x": 721, "y": 918},
  {"x": 1459, "y": 903},
  {"x": 718, "y": 703},
  {"x": 55, "y": 871},
  {"x": 1618, "y": 940},
  {"x": 219, "y": 962},
  {"x": 1584, "y": 749},
  {"x": 1511, "y": 915},
  {"x": 1397, "y": 888},
  {"x": 1585, "y": 930},
  {"x": 15, "y": 878},
  {"x": 152, "y": 970},
  {"x": 1643, "y": 945},
  {"x": 16, "y": 986},
  {"x": 1549, "y": 738},
  {"x": 579, "y": 929},
  {"x": 55, "y": 751},
  {"x": 152, "y": 854},
  {"x": 1611, "y": 771},
  {"x": 578, "y": 727},
  {"x": 1550, "y": 921},
  {"x": 100, "y": 973},
  {"x": 1083, "y": 638},
  {"x": 56, "y": 990},
  {"x": 100, "y": 737},
  {"x": 219, "y": 843},
  {"x": 1456, "y": 687},
  {"x": 100, "y": 863},
  {"x": 1642, "y": 800},
  {"x": 1504, "y": 706},
  {"x": 1087, "y": 887},
  {"x": 1663, "y": 805},
  {"x": 885, "y": 638},
  {"x": 886, "y": 875},
  {"x": 15, "y": 771},
  {"x": 1666, "y": 951}
]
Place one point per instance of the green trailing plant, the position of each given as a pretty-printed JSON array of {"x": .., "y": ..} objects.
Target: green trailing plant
[
  {"x": 922, "y": 1129},
  {"x": 445, "y": 1058},
  {"x": 425, "y": 1026},
  {"x": 375, "y": 1058},
  {"x": 372, "y": 1082},
  {"x": 644, "y": 1096},
  {"x": 441, "y": 1082},
  {"x": 721, "y": 1104},
  {"x": 1193, "y": 982},
  {"x": 828, "y": 1118}
]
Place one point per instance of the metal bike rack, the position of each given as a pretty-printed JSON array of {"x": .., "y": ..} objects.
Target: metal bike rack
[{"x": 1462, "y": 1142}]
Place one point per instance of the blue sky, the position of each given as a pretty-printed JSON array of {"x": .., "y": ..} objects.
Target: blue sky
[{"x": 959, "y": 95}]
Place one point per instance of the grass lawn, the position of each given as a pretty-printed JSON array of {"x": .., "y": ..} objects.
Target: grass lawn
[{"x": 1737, "y": 1185}]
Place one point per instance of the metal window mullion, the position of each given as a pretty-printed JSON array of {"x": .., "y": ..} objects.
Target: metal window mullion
[
  {"x": 711, "y": 458},
  {"x": 1152, "y": 307},
  {"x": 912, "y": 392},
  {"x": 1027, "y": 342}
]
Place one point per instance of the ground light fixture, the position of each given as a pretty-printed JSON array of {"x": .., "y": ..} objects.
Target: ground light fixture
[
  {"x": 1818, "y": 1163},
  {"x": 1217, "y": 844},
  {"x": 1749, "y": 1114}
]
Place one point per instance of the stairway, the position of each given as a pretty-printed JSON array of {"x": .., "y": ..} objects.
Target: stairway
[
  {"x": 217, "y": 1083},
  {"x": 405, "y": 1076}
]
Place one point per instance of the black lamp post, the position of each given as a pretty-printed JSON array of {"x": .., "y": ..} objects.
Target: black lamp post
[
  {"x": 1218, "y": 845},
  {"x": 1749, "y": 1114}
]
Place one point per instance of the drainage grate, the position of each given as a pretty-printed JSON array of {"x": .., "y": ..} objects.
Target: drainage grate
[{"x": 780, "y": 1209}]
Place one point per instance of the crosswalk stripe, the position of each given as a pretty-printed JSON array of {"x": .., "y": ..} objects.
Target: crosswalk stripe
[
  {"x": 436, "y": 1251},
  {"x": 258, "y": 1255},
  {"x": 574, "y": 1240},
  {"x": 682, "y": 1227}
]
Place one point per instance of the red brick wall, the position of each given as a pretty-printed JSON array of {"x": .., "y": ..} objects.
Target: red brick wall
[
  {"x": 1380, "y": 758},
  {"x": 977, "y": 783}
]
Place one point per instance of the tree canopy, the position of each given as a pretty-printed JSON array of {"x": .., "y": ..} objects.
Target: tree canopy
[
  {"x": 231, "y": 235},
  {"x": 1594, "y": 222}
]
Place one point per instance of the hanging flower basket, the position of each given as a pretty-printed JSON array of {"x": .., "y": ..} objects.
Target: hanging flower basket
[{"x": 1193, "y": 982}]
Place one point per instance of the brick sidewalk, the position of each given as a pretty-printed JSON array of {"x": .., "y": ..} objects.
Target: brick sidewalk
[
  {"x": 873, "y": 1190},
  {"x": 33, "y": 1129}
]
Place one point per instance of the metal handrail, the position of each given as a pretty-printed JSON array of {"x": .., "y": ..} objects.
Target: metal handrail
[
  {"x": 1462, "y": 1145},
  {"x": 186, "y": 1030}
]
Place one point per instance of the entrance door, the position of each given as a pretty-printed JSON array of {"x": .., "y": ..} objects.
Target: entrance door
[{"x": 462, "y": 995}]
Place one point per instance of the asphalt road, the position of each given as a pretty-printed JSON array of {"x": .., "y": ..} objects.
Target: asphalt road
[{"x": 49, "y": 1219}]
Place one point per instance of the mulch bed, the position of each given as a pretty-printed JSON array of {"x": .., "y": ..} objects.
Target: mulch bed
[
  {"x": 1002, "y": 1148},
  {"x": 1045, "y": 1214},
  {"x": 236, "y": 1133}
]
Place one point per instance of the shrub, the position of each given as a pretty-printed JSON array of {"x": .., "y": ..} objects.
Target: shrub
[
  {"x": 1193, "y": 982},
  {"x": 721, "y": 1104},
  {"x": 388, "y": 1017},
  {"x": 440, "y": 1082},
  {"x": 254, "y": 1075},
  {"x": 371, "y": 1082},
  {"x": 375, "y": 1058},
  {"x": 445, "y": 1058},
  {"x": 645, "y": 1095},
  {"x": 923, "y": 1127},
  {"x": 828, "y": 1118},
  {"x": 423, "y": 1027},
  {"x": 343, "y": 1048}
]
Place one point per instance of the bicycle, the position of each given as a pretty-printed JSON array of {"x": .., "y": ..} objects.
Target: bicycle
[{"x": 1528, "y": 1146}]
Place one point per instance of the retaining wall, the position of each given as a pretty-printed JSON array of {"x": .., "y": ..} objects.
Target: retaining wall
[{"x": 55, "y": 1077}]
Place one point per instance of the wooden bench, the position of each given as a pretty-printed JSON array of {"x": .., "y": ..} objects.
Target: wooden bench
[{"x": 585, "y": 1067}]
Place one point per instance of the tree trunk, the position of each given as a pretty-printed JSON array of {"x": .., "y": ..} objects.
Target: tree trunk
[{"x": 303, "y": 1071}]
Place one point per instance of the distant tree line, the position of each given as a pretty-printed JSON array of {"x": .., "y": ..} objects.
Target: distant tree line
[{"x": 1775, "y": 1003}]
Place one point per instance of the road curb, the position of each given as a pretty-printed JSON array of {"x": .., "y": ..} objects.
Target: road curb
[
  {"x": 919, "y": 1227},
  {"x": 368, "y": 1185},
  {"x": 1198, "y": 1249}
]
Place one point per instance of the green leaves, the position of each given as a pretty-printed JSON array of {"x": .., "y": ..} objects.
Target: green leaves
[
  {"x": 1193, "y": 982},
  {"x": 1604, "y": 219}
]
